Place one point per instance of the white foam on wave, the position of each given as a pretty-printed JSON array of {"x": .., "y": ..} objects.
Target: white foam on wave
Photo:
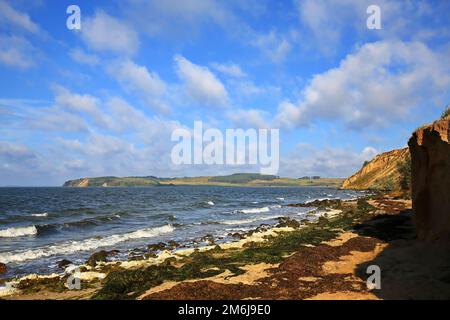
[
  {"x": 83, "y": 245},
  {"x": 280, "y": 198},
  {"x": 44, "y": 214},
  {"x": 18, "y": 232},
  {"x": 255, "y": 210},
  {"x": 243, "y": 221},
  {"x": 210, "y": 203}
]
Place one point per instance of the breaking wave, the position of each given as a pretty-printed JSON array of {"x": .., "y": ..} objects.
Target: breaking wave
[
  {"x": 255, "y": 210},
  {"x": 83, "y": 245},
  {"x": 18, "y": 232}
]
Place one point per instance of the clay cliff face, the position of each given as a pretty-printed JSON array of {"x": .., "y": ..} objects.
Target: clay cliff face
[
  {"x": 381, "y": 173},
  {"x": 430, "y": 160}
]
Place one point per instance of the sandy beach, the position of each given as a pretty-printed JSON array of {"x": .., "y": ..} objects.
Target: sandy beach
[{"x": 326, "y": 259}]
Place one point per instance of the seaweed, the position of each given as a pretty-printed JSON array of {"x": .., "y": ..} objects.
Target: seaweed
[{"x": 128, "y": 284}]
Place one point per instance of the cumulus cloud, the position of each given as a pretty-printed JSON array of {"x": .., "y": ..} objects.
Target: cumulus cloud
[
  {"x": 379, "y": 83},
  {"x": 326, "y": 22},
  {"x": 251, "y": 118},
  {"x": 16, "y": 18},
  {"x": 308, "y": 160},
  {"x": 113, "y": 138},
  {"x": 138, "y": 79},
  {"x": 229, "y": 69},
  {"x": 13, "y": 152},
  {"x": 17, "y": 52},
  {"x": 83, "y": 104},
  {"x": 103, "y": 32},
  {"x": 82, "y": 57},
  {"x": 274, "y": 46},
  {"x": 200, "y": 84}
]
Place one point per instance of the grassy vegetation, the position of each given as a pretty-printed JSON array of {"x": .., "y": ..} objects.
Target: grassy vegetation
[
  {"x": 446, "y": 113},
  {"x": 129, "y": 284},
  {"x": 242, "y": 178},
  {"x": 404, "y": 168}
]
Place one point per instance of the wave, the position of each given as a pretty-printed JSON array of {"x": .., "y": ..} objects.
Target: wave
[
  {"x": 18, "y": 232},
  {"x": 243, "y": 221},
  {"x": 210, "y": 203},
  {"x": 83, "y": 245},
  {"x": 255, "y": 210},
  {"x": 280, "y": 198},
  {"x": 44, "y": 214}
]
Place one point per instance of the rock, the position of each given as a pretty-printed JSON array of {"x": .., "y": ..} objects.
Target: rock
[
  {"x": 2, "y": 268},
  {"x": 237, "y": 235},
  {"x": 172, "y": 244},
  {"x": 64, "y": 263},
  {"x": 208, "y": 238},
  {"x": 288, "y": 222},
  {"x": 381, "y": 173},
  {"x": 430, "y": 168},
  {"x": 157, "y": 247},
  {"x": 100, "y": 256}
]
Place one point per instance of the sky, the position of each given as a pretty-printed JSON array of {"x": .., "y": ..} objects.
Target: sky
[{"x": 105, "y": 99}]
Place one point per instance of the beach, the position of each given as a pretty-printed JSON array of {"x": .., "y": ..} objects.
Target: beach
[{"x": 321, "y": 259}]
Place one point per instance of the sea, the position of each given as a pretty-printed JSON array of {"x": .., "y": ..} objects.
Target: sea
[{"x": 41, "y": 226}]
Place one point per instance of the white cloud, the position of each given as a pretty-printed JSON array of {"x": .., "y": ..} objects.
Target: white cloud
[
  {"x": 13, "y": 152},
  {"x": 274, "y": 46},
  {"x": 57, "y": 120},
  {"x": 83, "y": 104},
  {"x": 379, "y": 83},
  {"x": 82, "y": 57},
  {"x": 103, "y": 32},
  {"x": 229, "y": 69},
  {"x": 201, "y": 85},
  {"x": 307, "y": 160},
  {"x": 17, "y": 52},
  {"x": 16, "y": 18},
  {"x": 326, "y": 22},
  {"x": 140, "y": 80},
  {"x": 184, "y": 19},
  {"x": 252, "y": 118}
]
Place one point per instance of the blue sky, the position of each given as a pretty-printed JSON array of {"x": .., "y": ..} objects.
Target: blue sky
[{"x": 104, "y": 100}]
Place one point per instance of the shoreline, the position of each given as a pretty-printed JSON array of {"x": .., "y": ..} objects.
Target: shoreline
[
  {"x": 310, "y": 212},
  {"x": 320, "y": 260},
  {"x": 259, "y": 234},
  {"x": 255, "y": 235}
]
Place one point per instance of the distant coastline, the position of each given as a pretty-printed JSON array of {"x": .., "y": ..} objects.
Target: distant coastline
[{"x": 235, "y": 180}]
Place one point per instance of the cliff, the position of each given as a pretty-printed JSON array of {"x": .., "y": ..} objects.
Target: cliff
[
  {"x": 112, "y": 182},
  {"x": 430, "y": 160},
  {"x": 381, "y": 173}
]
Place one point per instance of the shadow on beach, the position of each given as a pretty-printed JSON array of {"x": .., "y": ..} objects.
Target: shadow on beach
[{"x": 410, "y": 269}]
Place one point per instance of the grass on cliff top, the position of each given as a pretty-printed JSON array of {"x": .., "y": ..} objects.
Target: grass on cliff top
[
  {"x": 446, "y": 113},
  {"x": 129, "y": 284}
]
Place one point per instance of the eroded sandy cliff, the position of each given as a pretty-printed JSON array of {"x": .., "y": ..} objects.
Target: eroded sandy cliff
[{"x": 430, "y": 159}]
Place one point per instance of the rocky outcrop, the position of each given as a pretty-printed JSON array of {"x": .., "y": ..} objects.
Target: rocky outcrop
[
  {"x": 430, "y": 159},
  {"x": 381, "y": 173}
]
